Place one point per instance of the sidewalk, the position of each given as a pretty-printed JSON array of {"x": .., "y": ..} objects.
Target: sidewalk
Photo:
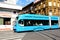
[
  {"x": 5, "y": 28},
  {"x": 10, "y": 35}
]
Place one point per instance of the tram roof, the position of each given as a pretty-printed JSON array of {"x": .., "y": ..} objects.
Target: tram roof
[{"x": 36, "y": 17}]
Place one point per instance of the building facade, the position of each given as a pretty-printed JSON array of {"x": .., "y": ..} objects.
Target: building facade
[
  {"x": 9, "y": 1},
  {"x": 45, "y": 7},
  {"x": 27, "y": 9},
  {"x": 8, "y": 13},
  {"x": 36, "y": 1}
]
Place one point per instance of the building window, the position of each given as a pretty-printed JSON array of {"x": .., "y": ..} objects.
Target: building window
[
  {"x": 50, "y": 12},
  {"x": 50, "y": 3},
  {"x": 44, "y": 5},
  {"x": 1, "y": 21},
  {"x": 5, "y": 21},
  {"x": 41, "y": 3},
  {"x": 58, "y": 4},
  {"x": 54, "y": 10},
  {"x": 58, "y": 11},
  {"x": 39, "y": 7},
  {"x": 54, "y": 3}
]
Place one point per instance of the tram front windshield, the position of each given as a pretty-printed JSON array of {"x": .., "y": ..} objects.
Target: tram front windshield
[{"x": 36, "y": 22}]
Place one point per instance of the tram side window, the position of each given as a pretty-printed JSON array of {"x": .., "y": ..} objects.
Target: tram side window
[
  {"x": 36, "y": 22},
  {"x": 28, "y": 23},
  {"x": 21, "y": 22},
  {"x": 53, "y": 22},
  {"x": 45, "y": 22},
  {"x": 17, "y": 17}
]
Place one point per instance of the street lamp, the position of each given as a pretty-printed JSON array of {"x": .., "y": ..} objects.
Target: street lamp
[{"x": 50, "y": 14}]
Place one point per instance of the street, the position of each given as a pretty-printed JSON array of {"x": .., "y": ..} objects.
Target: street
[
  {"x": 10, "y": 35},
  {"x": 40, "y": 35},
  {"x": 43, "y": 35}
]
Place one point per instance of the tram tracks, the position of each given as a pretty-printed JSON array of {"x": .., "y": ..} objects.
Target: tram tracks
[{"x": 48, "y": 35}]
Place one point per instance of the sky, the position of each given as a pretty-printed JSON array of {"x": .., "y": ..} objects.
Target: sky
[{"x": 23, "y": 3}]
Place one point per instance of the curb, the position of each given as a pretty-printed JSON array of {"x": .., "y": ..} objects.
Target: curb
[{"x": 5, "y": 29}]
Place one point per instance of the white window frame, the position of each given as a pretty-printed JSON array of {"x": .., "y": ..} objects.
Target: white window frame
[
  {"x": 50, "y": 3},
  {"x": 54, "y": 3}
]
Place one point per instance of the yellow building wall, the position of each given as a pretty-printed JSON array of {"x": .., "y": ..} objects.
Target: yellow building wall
[{"x": 48, "y": 5}]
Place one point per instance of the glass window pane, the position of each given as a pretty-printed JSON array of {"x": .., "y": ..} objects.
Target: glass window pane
[
  {"x": 21, "y": 22},
  {"x": 7, "y": 21},
  {"x": 1, "y": 21},
  {"x": 54, "y": 22},
  {"x": 36, "y": 22},
  {"x": 50, "y": 3}
]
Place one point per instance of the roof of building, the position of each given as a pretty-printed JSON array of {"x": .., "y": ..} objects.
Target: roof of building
[
  {"x": 29, "y": 5},
  {"x": 10, "y": 6},
  {"x": 38, "y": 2}
]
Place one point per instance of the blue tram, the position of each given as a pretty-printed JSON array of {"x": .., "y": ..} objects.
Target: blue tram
[{"x": 34, "y": 22}]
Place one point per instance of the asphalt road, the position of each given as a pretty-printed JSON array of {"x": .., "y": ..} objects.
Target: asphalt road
[{"x": 41, "y": 35}]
